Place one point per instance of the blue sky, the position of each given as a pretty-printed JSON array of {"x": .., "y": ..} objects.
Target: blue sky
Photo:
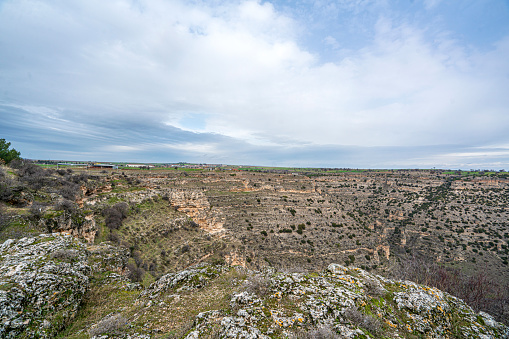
[{"x": 360, "y": 83}]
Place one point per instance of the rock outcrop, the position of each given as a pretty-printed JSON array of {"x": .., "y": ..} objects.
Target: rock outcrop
[
  {"x": 77, "y": 224},
  {"x": 42, "y": 282},
  {"x": 345, "y": 302},
  {"x": 196, "y": 205}
]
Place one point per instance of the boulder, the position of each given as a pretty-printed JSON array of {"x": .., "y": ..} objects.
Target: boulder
[{"x": 42, "y": 282}]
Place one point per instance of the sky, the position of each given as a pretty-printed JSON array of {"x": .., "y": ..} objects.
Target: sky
[{"x": 344, "y": 83}]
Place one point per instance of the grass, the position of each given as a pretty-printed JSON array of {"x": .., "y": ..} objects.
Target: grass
[
  {"x": 167, "y": 316},
  {"x": 477, "y": 173},
  {"x": 162, "y": 239},
  {"x": 113, "y": 200},
  {"x": 171, "y": 318},
  {"x": 49, "y": 166},
  {"x": 104, "y": 297},
  {"x": 145, "y": 230},
  {"x": 18, "y": 228}
]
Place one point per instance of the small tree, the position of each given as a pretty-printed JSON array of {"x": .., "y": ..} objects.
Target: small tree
[{"x": 6, "y": 154}]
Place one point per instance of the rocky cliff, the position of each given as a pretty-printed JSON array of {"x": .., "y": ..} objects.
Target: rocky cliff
[{"x": 54, "y": 285}]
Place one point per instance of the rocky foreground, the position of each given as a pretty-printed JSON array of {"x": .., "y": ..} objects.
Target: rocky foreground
[{"x": 48, "y": 284}]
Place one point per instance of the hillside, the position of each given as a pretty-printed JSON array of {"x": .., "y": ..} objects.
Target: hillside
[
  {"x": 445, "y": 229},
  {"x": 55, "y": 286}
]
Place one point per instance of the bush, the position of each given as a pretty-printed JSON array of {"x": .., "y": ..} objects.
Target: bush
[
  {"x": 69, "y": 191},
  {"x": 4, "y": 217},
  {"x": 300, "y": 228},
  {"x": 34, "y": 176},
  {"x": 478, "y": 290},
  {"x": 113, "y": 216},
  {"x": 5, "y": 191},
  {"x": 322, "y": 332},
  {"x": 136, "y": 255},
  {"x": 27, "y": 169},
  {"x": 362, "y": 320},
  {"x": 114, "y": 238},
  {"x": 111, "y": 324},
  {"x": 135, "y": 273},
  {"x": 257, "y": 284},
  {"x": 37, "y": 210},
  {"x": 65, "y": 254},
  {"x": 66, "y": 205},
  {"x": 373, "y": 288}
]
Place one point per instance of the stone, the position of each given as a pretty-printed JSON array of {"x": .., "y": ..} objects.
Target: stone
[{"x": 40, "y": 291}]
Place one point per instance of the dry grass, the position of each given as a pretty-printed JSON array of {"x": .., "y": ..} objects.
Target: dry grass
[
  {"x": 364, "y": 321},
  {"x": 477, "y": 290},
  {"x": 111, "y": 324},
  {"x": 257, "y": 284},
  {"x": 173, "y": 314},
  {"x": 103, "y": 299},
  {"x": 322, "y": 332},
  {"x": 65, "y": 254},
  {"x": 163, "y": 240}
]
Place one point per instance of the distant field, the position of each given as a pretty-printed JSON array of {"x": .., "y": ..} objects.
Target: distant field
[{"x": 302, "y": 170}]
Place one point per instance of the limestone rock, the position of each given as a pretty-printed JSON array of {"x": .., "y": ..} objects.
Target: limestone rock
[
  {"x": 192, "y": 278},
  {"x": 349, "y": 302},
  {"x": 42, "y": 282}
]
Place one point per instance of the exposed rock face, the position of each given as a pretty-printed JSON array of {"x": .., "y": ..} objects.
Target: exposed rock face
[
  {"x": 196, "y": 205},
  {"x": 42, "y": 282},
  {"x": 193, "y": 203},
  {"x": 82, "y": 226},
  {"x": 192, "y": 278},
  {"x": 348, "y": 301}
]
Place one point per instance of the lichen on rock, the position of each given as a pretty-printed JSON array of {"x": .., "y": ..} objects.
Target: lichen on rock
[
  {"x": 42, "y": 282},
  {"x": 191, "y": 278},
  {"x": 351, "y": 303}
]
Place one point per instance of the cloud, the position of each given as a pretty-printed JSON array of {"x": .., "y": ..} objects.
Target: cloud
[
  {"x": 163, "y": 143},
  {"x": 199, "y": 77},
  {"x": 332, "y": 42},
  {"x": 431, "y": 4}
]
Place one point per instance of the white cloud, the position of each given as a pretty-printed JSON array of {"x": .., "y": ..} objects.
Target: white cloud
[
  {"x": 331, "y": 41},
  {"x": 431, "y": 4},
  {"x": 242, "y": 66},
  {"x": 122, "y": 148},
  {"x": 193, "y": 147}
]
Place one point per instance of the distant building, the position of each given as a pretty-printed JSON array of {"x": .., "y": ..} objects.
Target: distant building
[{"x": 103, "y": 166}]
